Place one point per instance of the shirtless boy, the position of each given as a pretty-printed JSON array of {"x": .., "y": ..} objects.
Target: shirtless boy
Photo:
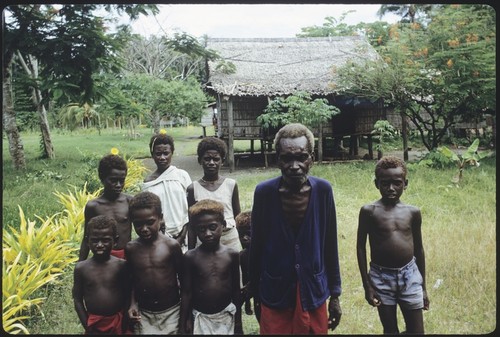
[
  {"x": 396, "y": 251},
  {"x": 211, "y": 284},
  {"x": 101, "y": 287},
  {"x": 112, "y": 202},
  {"x": 155, "y": 262},
  {"x": 244, "y": 227}
]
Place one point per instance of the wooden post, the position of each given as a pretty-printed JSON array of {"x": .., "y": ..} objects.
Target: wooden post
[
  {"x": 370, "y": 147},
  {"x": 230, "y": 136}
]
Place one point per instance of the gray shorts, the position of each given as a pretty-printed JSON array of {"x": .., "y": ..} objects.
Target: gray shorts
[{"x": 401, "y": 286}]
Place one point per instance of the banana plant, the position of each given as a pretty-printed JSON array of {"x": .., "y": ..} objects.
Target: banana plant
[{"x": 470, "y": 157}]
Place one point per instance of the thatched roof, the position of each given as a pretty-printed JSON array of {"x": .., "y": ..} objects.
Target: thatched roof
[{"x": 282, "y": 66}]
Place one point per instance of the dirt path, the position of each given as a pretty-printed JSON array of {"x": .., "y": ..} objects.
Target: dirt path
[{"x": 248, "y": 164}]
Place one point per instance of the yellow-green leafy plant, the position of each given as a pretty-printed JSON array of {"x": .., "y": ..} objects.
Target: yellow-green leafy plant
[
  {"x": 21, "y": 279},
  {"x": 135, "y": 175},
  {"x": 33, "y": 257},
  {"x": 39, "y": 242},
  {"x": 70, "y": 223}
]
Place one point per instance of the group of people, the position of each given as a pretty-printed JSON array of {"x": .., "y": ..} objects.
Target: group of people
[{"x": 198, "y": 258}]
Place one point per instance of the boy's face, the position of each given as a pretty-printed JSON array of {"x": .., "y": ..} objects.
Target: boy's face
[
  {"x": 208, "y": 228},
  {"x": 211, "y": 161},
  {"x": 294, "y": 160},
  {"x": 114, "y": 182},
  {"x": 101, "y": 242},
  {"x": 146, "y": 223},
  {"x": 162, "y": 155},
  {"x": 245, "y": 235},
  {"x": 391, "y": 183}
]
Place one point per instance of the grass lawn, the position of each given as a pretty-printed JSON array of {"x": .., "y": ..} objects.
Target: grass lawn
[{"x": 459, "y": 227}]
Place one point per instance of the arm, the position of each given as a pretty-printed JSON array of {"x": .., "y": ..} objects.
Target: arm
[
  {"x": 419, "y": 251},
  {"x": 133, "y": 311},
  {"x": 255, "y": 249},
  {"x": 332, "y": 265},
  {"x": 185, "y": 320},
  {"x": 89, "y": 213},
  {"x": 191, "y": 202},
  {"x": 78, "y": 296},
  {"x": 236, "y": 201},
  {"x": 235, "y": 271},
  {"x": 363, "y": 223}
]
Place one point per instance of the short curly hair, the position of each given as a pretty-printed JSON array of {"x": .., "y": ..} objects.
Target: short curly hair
[
  {"x": 294, "y": 130},
  {"x": 244, "y": 221},
  {"x": 102, "y": 222},
  {"x": 143, "y": 200},
  {"x": 160, "y": 138},
  {"x": 387, "y": 162},
  {"x": 212, "y": 143},
  {"x": 206, "y": 206},
  {"x": 109, "y": 162}
]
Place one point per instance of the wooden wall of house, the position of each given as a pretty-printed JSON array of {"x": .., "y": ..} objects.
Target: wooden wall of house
[
  {"x": 246, "y": 109},
  {"x": 245, "y": 112}
]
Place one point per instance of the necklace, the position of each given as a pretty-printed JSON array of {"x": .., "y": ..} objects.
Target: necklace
[{"x": 210, "y": 181}]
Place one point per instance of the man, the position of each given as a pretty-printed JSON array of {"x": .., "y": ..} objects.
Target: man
[{"x": 294, "y": 265}]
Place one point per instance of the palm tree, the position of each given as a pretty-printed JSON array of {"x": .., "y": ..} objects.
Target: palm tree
[
  {"x": 72, "y": 115},
  {"x": 407, "y": 12}
]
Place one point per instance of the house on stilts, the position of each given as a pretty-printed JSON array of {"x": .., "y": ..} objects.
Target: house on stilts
[{"x": 253, "y": 71}]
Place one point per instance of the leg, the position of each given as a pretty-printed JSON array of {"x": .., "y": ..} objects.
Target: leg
[
  {"x": 414, "y": 321},
  {"x": 388, "y": 318},
  {"x": 248, "y": 307}
]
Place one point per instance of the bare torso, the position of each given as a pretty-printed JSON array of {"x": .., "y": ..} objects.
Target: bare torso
[
  {"x": 105, "y": 285},
  {"x": 390, "y": 233},
  {"x": 155, "y": 267},
  {"x": 117, "y": 209},
  {"x": 213, "y": 278},
  {"x": 295, "y": 204}
]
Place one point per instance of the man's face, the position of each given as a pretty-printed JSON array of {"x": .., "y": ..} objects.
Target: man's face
[{"x": 294, "y": 160}]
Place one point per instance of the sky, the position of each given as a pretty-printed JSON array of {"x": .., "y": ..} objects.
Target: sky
[{"x": 250, "y": 21}]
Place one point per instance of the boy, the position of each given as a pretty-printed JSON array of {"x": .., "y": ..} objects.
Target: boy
[
  {"x": 397, "y": 267},
  {"x": 170, "y": 184},
  {"x": 211, "y": 155},
  {"x": 101, "y": 287},
  {"x": 210, "y": 291},
  {"x": 243, "y": 225},
  {"x": 112, "y": 202},
  {"x": 155, "y": 263}
]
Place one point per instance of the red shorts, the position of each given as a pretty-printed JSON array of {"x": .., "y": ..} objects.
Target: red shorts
[
  {"x": 119, "y": 253},
  {"x": 293, "y": 321}
]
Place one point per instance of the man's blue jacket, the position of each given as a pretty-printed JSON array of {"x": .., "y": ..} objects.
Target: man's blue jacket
[{"x": 279, "y": 257}]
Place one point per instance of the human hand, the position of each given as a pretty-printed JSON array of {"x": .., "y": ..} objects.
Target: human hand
[
  {"x": 372, "y": 297},
  {"x": 335, "y": 313},
  {"x": 133, "y": 314},
  {"x": 426, "y": 301}
]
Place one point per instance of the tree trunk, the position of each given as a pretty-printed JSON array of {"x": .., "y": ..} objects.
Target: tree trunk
[
  {"x": 156, "y": 121},
  {"x": 320, "y": 143},
  {"x": 16, "y": 148},
  {"x": 404, "y": 132},
  {"x": 48, "y": 148}
]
